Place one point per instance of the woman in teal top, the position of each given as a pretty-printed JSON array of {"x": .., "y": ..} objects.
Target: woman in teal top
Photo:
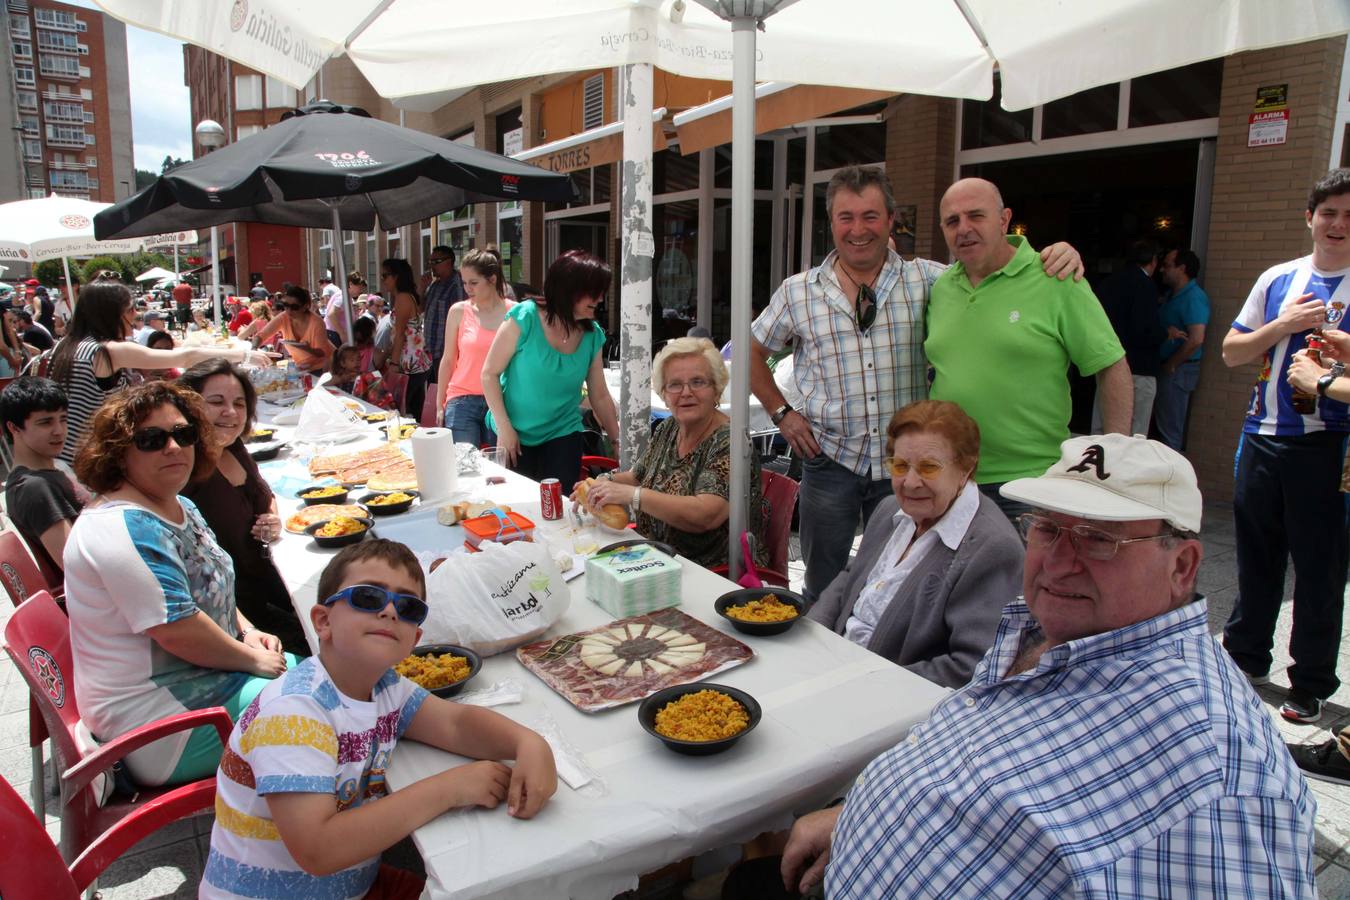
[{"x": 542, "y": 354}]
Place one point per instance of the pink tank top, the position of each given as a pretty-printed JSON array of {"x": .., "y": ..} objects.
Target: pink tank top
[{"x": 473, "y": 342}]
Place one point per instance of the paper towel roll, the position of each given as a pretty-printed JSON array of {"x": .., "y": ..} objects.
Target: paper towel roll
[{"x": 433, "y": 451}]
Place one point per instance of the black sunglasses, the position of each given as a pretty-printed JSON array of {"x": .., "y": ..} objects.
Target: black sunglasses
[
  {"x": 153, "y": 439},
  {"x": 865, "y": 310},
  {"x": 438, "y": 260},
  {"x": 293, "y": 305},
  {"x": 372, "y": 599}
]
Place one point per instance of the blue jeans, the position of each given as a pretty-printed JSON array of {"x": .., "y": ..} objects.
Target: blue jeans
[
  {"x": 1174, "y": 398},
  {"x": 833, "y": 502},
  {"x": 466, "y": 417}
]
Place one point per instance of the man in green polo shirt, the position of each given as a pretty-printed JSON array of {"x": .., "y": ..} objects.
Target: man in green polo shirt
[{"x": 1001, "y": 337}]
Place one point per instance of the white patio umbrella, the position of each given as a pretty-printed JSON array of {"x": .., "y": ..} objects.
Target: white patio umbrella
[
  {"x": 158, "y": 273},
  {"x": 54, "y": 226},
  {"x": 1045, "y": 49}
]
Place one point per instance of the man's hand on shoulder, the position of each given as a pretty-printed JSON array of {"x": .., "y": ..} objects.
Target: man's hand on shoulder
[{"x": 1061, "y": 260}]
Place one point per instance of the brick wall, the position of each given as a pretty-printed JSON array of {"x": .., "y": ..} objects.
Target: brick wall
[
  {"x": 1256, "y": 220},
  {"x": 920, "y": 156}
]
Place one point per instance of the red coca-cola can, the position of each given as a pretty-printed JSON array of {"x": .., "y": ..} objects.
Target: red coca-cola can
[{"x": 550, "y": 498}]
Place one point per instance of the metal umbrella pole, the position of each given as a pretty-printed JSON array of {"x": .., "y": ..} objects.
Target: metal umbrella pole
[
  {"x": 215, "y": 274},
  {"x": 70, "y": 285},
  {"x": 339, "y": 258},
  {"x": 742, "y": 250}
]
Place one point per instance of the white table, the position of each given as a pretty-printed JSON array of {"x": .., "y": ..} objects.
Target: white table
[{"x": 829, "y": 706}]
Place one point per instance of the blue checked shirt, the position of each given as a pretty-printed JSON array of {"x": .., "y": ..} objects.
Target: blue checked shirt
[
  {"x": 441, "y": 295},
  {"x": 852, "y": 382},
  {"x": 1135, "y": 763}
]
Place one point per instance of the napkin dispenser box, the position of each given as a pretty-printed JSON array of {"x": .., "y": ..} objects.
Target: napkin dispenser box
[{"x": 633, "y": 581}]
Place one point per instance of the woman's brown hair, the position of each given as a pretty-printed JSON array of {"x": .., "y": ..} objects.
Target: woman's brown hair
[
  {"x": 100, "y": 465},
  {"x": 942, "y": 418}
]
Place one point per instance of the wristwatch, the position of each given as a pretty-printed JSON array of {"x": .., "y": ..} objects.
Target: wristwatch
[
  {"x": 1325, "y": 382},
  {"x": 781, "y": 413}
]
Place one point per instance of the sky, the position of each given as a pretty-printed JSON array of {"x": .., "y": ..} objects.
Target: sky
[{"x": 161, "y": 116}]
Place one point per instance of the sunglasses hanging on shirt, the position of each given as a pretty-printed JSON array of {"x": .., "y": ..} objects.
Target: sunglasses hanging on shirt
[{"x": 865, "y": 309}]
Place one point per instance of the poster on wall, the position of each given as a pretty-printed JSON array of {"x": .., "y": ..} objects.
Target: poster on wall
[{"x": 1268, "y": 123}]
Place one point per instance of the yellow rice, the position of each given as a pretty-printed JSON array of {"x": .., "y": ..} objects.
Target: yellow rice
[
  {"x": 433, "y": 671},
  {"x": 766, "y": 609},
  {"x": 702, "y": 716}
]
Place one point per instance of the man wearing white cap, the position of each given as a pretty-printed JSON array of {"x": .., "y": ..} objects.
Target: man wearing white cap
[{"x": 1106, "y": 744}]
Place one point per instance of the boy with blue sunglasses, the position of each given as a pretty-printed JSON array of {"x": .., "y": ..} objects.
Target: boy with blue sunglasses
[{"x": 292, "y": 817}]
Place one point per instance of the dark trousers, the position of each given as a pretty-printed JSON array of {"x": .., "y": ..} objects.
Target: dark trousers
[
  {"x": 559, "y": 458},
  {"x": 1287, "y": 503},
  {"x": 414, "y": 395},
  {"x": 833, "y": 502}
]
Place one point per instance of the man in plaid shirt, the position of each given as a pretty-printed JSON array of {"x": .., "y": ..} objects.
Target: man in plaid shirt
[
  {"x": 857, "y": 323},
  {"x": 1106, "y": 745}
]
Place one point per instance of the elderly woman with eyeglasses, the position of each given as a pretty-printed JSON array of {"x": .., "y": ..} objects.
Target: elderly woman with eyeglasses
[
  {"x": 938, "y": 560},
  {"x": 679, "y": 490},
  {"x": 153, "y": 623}
]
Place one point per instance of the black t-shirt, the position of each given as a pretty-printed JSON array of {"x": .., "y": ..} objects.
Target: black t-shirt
[
  {"x": 46, "y": 315},
  {"x": 38, "y": 337},
  {"x": 37, "y": 499}
]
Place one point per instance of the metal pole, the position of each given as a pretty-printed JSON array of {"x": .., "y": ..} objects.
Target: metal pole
[
  {"x": 341, "y": 274},
  {"x": 638, "y": 249},
  {"x": 742, "y": 251},
  {"x": 215, "y": 274},
  {"x": 175, "y": 257},
  {"x": 70, "y": 285}
]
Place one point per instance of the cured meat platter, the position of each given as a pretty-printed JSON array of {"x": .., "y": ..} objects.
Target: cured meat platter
[{"x": 631, "y": 659}]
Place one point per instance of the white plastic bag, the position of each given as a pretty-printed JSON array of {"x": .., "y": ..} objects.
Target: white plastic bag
[
  {"x": 325, "y": 418},
  {"x": 494, "y": 600}
]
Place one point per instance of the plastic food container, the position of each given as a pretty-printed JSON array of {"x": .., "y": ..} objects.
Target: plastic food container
[{"x": 502, "y": 528}]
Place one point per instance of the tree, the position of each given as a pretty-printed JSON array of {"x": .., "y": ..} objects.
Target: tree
[
  {"x": 144, "y": 178},
  {"x": 50, "y": 272},
  {"x": 100, "y": 263},
  {"x": 170, "y": 163}
]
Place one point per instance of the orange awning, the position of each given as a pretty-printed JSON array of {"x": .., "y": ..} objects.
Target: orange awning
[{"x": 779, "y": 109}]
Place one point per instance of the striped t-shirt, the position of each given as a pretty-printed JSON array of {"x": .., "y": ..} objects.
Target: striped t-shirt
[
  {"x": 301, "y": 735},
  {"x": 85, "y": 391},
  {"x": 1271, "y": 410}
]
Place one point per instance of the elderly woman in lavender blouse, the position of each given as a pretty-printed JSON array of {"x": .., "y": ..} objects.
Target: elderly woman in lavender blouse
[{"x": 937, "y": 562}]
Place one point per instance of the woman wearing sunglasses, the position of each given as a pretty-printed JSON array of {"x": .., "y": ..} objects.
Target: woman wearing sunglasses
[
  {"x": 153, "y": 623},
  {"x": 302, "y": 331},
  {"x": 938, "y": 560},
  {"x": 238, "y": 505},
  {"x": 679, "y": 489},
  {"x": 95, "y": 357}
]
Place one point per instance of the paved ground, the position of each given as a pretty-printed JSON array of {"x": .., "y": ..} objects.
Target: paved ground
[{"x": 169, "y": 863}]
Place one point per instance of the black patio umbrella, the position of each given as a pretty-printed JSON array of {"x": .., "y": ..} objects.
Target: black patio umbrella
[{"x": 329, "y": 166}]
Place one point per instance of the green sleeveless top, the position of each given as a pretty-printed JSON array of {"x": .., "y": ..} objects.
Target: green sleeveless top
[{"x": 542, "y": 387}]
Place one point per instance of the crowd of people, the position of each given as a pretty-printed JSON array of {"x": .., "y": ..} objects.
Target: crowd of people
[{"x": 1097, "y": 739}]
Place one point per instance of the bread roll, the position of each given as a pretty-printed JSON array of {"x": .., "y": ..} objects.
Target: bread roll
[{"x": 612, "y": 515}]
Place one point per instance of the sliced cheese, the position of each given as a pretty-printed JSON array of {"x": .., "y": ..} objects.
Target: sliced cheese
[
  {"x": 612, "y": 668},
  {"x": 604, "y": 637},
  {"x": 679, "y": 639},
  {"x": 655, "y": 631},
  {"x": 634, "y": 671},
  {"x": 659, "y": 667}
]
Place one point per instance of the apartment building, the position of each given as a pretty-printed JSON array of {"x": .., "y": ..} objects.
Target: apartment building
[{"x": 71, "y": 95}]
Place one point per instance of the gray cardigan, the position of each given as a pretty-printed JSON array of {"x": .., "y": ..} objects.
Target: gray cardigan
[{"x": 944, "y": 615}]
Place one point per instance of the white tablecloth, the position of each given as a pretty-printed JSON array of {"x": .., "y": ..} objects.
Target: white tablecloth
[{"x": 829, "y": 706}]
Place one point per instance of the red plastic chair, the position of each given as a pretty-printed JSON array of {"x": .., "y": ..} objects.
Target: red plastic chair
[
  {"x": 36, "y": 871},
  {"x": 19, "y": 570},
  {"x": 37, "y": 639},
  {"x": 780, "y": 492},
  {"x": 20, "y": 575},
  {"x": 592, "y": 466}
]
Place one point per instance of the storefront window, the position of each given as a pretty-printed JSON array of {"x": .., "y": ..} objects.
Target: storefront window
[
  {"x": 1086, "y": 112},
  {"x": 847, "y": 145},
  {"x": 986, "y": 124},
  {"x": 1177, "y": 95},
  {"x": 672, "y": 172},
  {"x": 508, "y": 242}
]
